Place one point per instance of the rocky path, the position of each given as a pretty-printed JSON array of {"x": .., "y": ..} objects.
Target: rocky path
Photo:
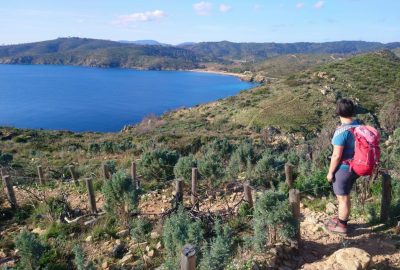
[{"x": 317, "y": 244}]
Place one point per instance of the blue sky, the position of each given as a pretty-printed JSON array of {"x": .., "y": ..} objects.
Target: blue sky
[{"x": 176, "y": 21}]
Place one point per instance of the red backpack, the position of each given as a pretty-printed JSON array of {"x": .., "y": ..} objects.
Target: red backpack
[{"x": 367, "y": 152}]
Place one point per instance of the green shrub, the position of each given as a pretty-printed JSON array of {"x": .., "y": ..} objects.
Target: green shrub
[
  {"x": 111, "y": 166},
  {"x": 5, "y": 158},
  {"x": 30, "y": 249},
  {"x": 267, "y": 169},
  {"x": 107, "y": 147},
  {"x": 314, "y": 184},
  {"x": 244, "y": 210},
  {"x": 158, "y": 164},
  {"x": 179, "y": 230},
  {"x": 217, "y": 254},
  {"x": 60, "y": 230},
  {"x": 183, "y": 168},
  {"x": 140, "y": 228},
  {"x": 121, "y": 197},
  {"x": 272, "y": 214},
  {"x": 211, "y": 168},
  {"x": 235, "y": 166},
  {"x": 221, "y": 147},
  {"x": 94, "y": 148},
  {"x": 80, "y": 261}
]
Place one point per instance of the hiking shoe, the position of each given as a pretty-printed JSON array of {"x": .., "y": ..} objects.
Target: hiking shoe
[{"x": 333, "y": 225}]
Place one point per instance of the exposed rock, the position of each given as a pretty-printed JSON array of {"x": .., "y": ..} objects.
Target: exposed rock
[
  {"x": 151, "y": 253},
  {"x": 154, "y": 235},
  {"x": 89, "y": 238},
  {"x": 127, "y": 258},
  {"x": 38, "y": 231},
  {"x": 343, "y": 259},
  {"x": 105, "y": 265},
  {"x": 158, "y": 246},
  {"x": 123, "y": 233}
]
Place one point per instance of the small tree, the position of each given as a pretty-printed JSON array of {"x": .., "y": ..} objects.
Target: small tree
[
  {"x": 31, "y": 250},
  {"x": 273, "y": 219},
  {"x": 217, "y": 253},
  {"x": 121, "y": 197},
  {"x": 179, "y": 230},
  {"x": 183, "y": 168}
]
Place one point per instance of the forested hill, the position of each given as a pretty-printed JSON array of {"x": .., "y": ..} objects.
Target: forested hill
[
  {"x": 105, "y": 53},
  {"x": 226, "y": 50},
  {"x": 98, "y": 53}
]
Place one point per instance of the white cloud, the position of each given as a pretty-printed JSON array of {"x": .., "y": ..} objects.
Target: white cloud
[
  {"x": 141, "y": 17},
  {"x": 203, "y": 8},
  {"x": 319, "y": 4},
  {"x": 299, "y": 5},
  {"x": 224, "y": 8}
]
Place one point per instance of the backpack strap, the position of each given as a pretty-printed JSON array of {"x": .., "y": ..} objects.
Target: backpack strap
[{"x": 341, "y": 129}]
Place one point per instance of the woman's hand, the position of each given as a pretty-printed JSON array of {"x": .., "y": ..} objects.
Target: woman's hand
[{"x": 330, "y": 177}]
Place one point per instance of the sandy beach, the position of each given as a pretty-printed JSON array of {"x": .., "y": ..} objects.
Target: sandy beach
[{"x": 241, "y": 76}]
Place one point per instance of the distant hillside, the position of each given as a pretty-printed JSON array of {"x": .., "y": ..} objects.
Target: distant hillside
[
  {"x": 98, "y": 53},
  {"x": 397, "y": 51},
  {"x": 302, "y": 103},
  {"x": 150, "y": 54},
  {"x": 283, "y": 65},
  {"x": 229, "y": 51},
  {"x": 144, "y": 42}
]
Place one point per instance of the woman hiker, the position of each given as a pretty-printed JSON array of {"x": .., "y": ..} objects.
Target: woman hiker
[{"x": 340, "y": 175}]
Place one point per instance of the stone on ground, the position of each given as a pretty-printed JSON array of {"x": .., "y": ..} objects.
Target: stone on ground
[{"x": 343, "y": 259}]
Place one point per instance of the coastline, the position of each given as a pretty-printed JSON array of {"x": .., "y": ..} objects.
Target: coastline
[{"x": 238, "y": 75}]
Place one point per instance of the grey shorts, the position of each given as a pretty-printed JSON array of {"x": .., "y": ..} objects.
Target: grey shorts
[{"x": 343, "y": 182}]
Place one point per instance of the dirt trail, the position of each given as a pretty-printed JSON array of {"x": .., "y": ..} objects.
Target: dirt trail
[{"x": 317, "y": 243}]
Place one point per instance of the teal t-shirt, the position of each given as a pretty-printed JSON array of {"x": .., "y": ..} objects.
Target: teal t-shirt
[{"x": 344, "y": 137}]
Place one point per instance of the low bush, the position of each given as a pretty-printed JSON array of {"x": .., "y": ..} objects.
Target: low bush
[
  {"x": 273, "y": 220},
  {"x": 121, "y": 197},
  {"x": 211, "y": 168},
  {"x": 183, "y": 168},
  {"x": 30, "y": 249},
  {"x": 179, "y": 230},
  {"x": 217, "y": 254},
  {"x": 79, "y": 259},
  {"x": 314, "y": 184},
  {"x": 158, "y": 164}
]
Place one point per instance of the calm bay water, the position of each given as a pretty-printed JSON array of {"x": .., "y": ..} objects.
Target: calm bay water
[{"x": 94, "y": 99}]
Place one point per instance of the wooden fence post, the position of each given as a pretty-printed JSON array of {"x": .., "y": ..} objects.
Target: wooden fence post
[
  {"x": 179, "y": 191},
  {"x": 91, "y": 195},
  {"x": 10, "y": 191},
  {"x": 106, "y": 172},
  {"x": 247, "y": 194},
  {"x": 135, "y": 180},
  {"x": 294, "y": 200},
  {"x": 386, "y": 196},
  {"x": 188, "y": 258},
  {"x": 194, "y": 195},
  {"x": 73, "y": 174},
  {"x": 289, "y": 175},
  {"x": 42, "y": 180}
]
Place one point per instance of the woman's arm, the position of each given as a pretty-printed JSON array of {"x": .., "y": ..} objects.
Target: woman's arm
[{"x": 335, "y": 161}]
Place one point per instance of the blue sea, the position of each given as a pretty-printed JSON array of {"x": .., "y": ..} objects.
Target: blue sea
[{"x": 104, "y": 100}]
